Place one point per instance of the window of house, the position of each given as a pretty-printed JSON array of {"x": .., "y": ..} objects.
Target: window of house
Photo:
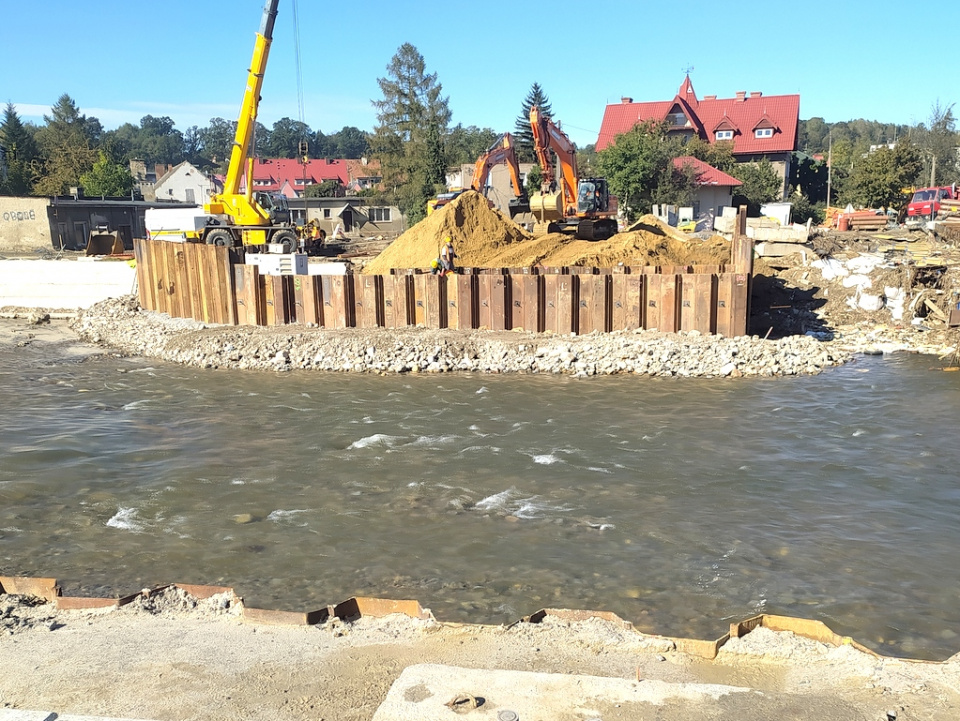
[
  {"x": 763, "y": 133},
  {"x": 380, "y": 215},
  {"x": 326, "y": 213},
  {"x": 724, "y": 135},
  {"x": 677, "y": 120}
]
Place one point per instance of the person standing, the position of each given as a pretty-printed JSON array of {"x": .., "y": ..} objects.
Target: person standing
[{"x": 447, "y": 255}]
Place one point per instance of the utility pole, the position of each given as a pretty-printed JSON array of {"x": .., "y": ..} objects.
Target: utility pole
[{"x": 829, "y": 167}]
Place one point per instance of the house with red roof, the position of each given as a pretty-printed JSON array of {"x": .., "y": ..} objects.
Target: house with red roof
[
  {"x": 714, "y": 188},
  {"x": 759, "y": 126},
  {"x": 291, "y": 178}
]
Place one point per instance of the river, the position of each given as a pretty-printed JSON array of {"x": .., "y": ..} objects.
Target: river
[{"x": 679, "y": 504}]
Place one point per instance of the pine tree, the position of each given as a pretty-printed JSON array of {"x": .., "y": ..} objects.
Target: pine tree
[
  {"x": 66, "y": 146},
  {"x": 413, "y": 117},
  {"x": 19, "y": 154},
  {"x": 522, "y": 131}
]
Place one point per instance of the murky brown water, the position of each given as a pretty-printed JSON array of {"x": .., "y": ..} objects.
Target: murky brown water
[{"x": 679, "y": 504}]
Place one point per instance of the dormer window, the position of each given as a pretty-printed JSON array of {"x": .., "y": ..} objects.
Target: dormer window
[
  {"x": 763, "y": 133},
  {"x": 724, "y": 135},
  {"x": 677, "y": 120}
]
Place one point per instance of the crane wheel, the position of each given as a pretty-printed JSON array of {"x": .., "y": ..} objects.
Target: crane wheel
[
  {"x": 221, "y": 237},
  {"x": 288, "y": 239}
]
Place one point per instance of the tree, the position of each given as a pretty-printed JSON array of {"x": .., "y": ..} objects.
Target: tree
[
  {"x": 66, "y": 147},
  {"x": 808, "y": 177},
  {"x": 285, "y": 139},
  {"x": 522, "y": 130},
  {"x": 719, "y": 155},
  {"x": 533, "y": 180},
  {"x": 639, "y": 168},
  {"x": 19, "y": 154},
  {"x": 216, "y": 140},
  {"x": 761, "y": 184},
  {"x": 465, "y": 145},
  {"x": 349, "y": 142},
  {"x": 939, "y": 141},
  {"x": 327, "y": 189},
  {"x": 108, "y": 178},
  {"x": 413, "y": 118},
  {"x": 880, "y": 177}
]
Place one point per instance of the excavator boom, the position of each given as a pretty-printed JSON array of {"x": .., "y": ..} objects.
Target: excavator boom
[{"x": 502, "y": 151}]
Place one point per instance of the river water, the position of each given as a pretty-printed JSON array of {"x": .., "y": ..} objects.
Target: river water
[{"x": 679, "y": 504}]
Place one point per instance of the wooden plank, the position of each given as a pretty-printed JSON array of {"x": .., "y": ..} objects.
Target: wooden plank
[
  {"x": 389, "y": 301},
  {"x": 225, "y": 259},
  {"x": 594, "y": 303},
  {"x": 485, "y": 300},
  {"x": 724, "y": 306},
  {"x": 210, "y": 286},
  {"x": 436, "y": 301},
  {"x": 687, "y": 301},
  {"x": 467, "y": 289},
  {"x": 420, "y": 301},
  {"x": 369, "y": 301},
  {"x": 568, "y": 299},
  {"x": 741, "y": 250},
  {"x": 193, "y": 300},
  {"x": 499, "y": 300},
  {"x": 268, "y": 290},
  {"x": 339, "y": 310},
  {"x": 533, "y": 303},
  {"x": 740, "y": 304},
  {"x": 634, "y": 301},
  {"x": 453, "y": 300},
  {"x": 550, "y": 314},
  {"x": 703, "y": 317},
  {"x": 175, "y": 307},
  {"x": 150, "y": 275},
  {"x": 404, "y": 300},
  {"x": 143, "y": 289},
  {"x": 516, "y": 312},
  {"x": 289, "y": 299},
  {"x": 619, "y": 302},
  {"x": 299, "y": 299}
]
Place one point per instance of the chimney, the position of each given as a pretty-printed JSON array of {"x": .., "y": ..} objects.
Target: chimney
[
  {"x": 709, "y": 97},
  {"x": 741, "y": 95},
  {"x": 625, "y": 100},
  {"x": 756, "y": 94}
]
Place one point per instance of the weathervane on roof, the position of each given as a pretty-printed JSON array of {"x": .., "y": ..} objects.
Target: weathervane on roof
[{"x": 688, "y": 70}]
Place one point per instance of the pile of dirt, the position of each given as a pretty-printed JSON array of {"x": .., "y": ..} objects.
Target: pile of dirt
[
  {"x": 484, "y": 238},
  {"x": 479, "y": 234}
]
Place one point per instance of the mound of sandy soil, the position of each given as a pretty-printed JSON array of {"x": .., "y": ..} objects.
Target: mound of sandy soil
[
  {"x": 484, "y": 238},
  {"x": 478, "y": 232}
]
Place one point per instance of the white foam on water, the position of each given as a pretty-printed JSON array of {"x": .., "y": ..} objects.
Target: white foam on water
[
  {"x": 282, "y": 515},
  {"x": 594, "y": 469},
  {"x": 429, "y": 441},
  {"x": 497, "y": 501},
  {"x": 474, "y": 427},
  {"x": 859, "y": 432},
  {"x": 377, "y": 439},
  {"x": 11, "y": 529},
  {"x": 135, "y": 405},
  {"x": 125, "y": 519},
  {"x": 546, "y": 459},
  {"x": 482, "y": 449},
  {"x": 482, "y": 389}
]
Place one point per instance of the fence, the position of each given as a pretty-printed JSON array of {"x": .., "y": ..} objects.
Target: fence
[{"x": 213, "y": 285}]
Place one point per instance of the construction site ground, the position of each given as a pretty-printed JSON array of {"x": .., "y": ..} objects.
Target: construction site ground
[{"x": 172, "y": 657}]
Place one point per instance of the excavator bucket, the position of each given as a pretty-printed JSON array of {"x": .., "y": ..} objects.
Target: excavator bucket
[
  {"x": 547, "y": 206},
  {"x": 102, "y": 242},
  {"x": 519, "y": 205}
]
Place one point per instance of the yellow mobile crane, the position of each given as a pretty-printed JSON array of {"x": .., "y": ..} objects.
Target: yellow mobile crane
[{"x": 249, "y": 219}]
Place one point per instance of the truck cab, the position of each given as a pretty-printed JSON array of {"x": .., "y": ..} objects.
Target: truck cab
[{"x": 925, "y": 202}]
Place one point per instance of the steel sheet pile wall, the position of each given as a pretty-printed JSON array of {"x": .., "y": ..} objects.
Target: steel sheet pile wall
[{"x": 211, "y": 284}]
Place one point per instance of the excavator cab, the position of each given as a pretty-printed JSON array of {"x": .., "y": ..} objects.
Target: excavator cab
[
  {"x": 276, "y": 207},
  {"x": 593, "y": 196}
]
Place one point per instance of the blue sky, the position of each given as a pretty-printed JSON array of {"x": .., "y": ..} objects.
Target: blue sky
[{"x": 122, "y": 59}]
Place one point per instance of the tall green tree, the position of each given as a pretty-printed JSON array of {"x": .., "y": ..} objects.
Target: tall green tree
[
  {"x": 66, "y": 145},
  {"x": 522, "y": 130},
  {"x": 19, "y": 154},
  {"x": 413, "y": 116},
  {"x": 639, "y": 169},
  {"x": 465, "y": 145},
  {"x": 109, "y": 177},
  {"x": 938, "y": 142},
  {"x": 879, "y": 178},
  {"x": 761, "y": 184},
  {"x": 285, "y": 139}
]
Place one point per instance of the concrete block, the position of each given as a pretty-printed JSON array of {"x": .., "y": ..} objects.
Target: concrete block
[
  {"x": 423, "y": 691},
  {"x": 779, "y": 250}
]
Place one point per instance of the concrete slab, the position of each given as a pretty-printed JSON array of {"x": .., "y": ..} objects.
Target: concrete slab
[
  {"x": 63, "y": 284},
  {"x": 424, "y": 693}
]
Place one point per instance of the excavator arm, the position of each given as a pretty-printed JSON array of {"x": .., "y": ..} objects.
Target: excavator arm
[
  {"x": 502, "y": 151},
  {"x": 548, "y": 137}
]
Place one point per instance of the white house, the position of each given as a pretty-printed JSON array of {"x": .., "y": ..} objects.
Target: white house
[{"x": 185, "y": 183}]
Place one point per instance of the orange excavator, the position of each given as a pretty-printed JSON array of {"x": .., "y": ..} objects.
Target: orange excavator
[
  {"x": 567, "y": 202},
  {"x": 502, "y": 151}
]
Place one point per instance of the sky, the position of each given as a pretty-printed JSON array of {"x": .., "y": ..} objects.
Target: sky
[{"x": 187, "y": 59}]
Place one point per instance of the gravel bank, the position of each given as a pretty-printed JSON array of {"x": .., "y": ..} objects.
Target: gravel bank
[{"x": 120, "y": 324}]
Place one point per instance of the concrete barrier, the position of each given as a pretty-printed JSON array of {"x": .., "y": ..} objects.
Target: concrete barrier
[{"x": 63, "y": 284}]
